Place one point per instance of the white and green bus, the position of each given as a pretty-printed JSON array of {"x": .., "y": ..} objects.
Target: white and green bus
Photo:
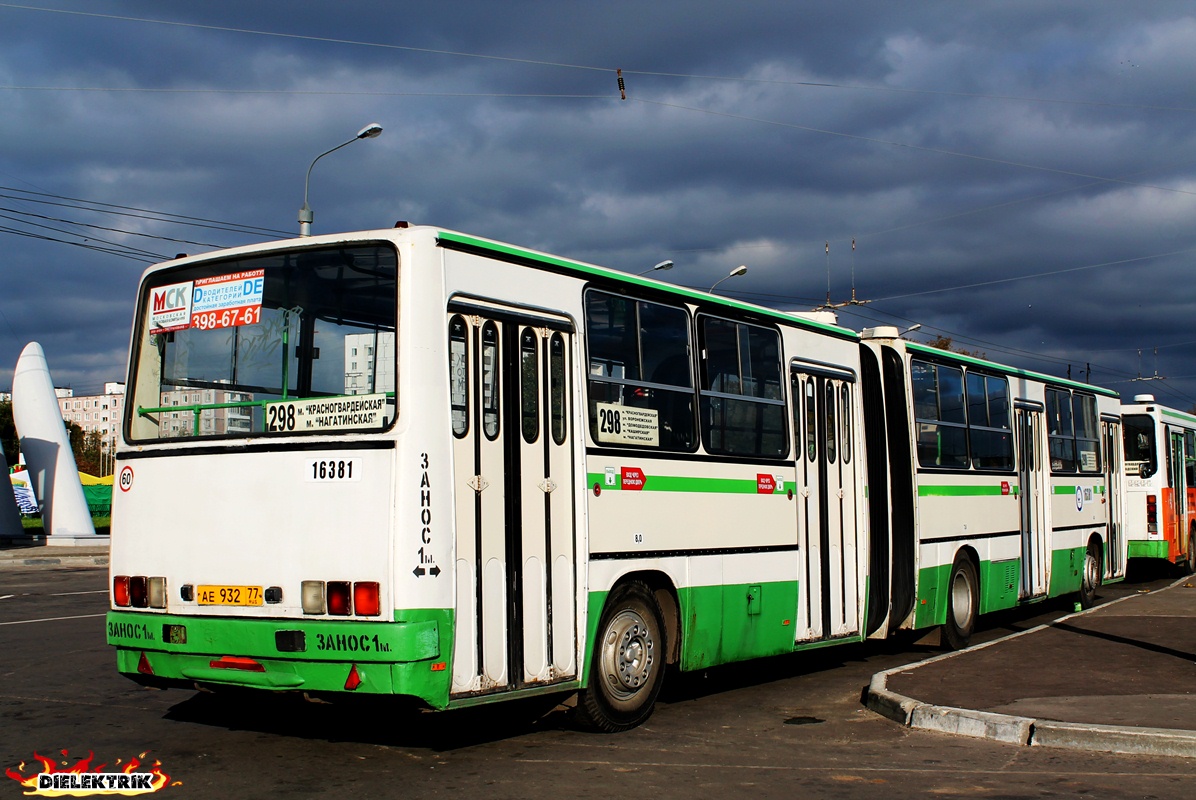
[
  {"x": 419, "y": 463},
  {"x": 997, "y": 486}
]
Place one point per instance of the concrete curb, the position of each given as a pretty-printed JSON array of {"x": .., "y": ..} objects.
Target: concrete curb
[{"x": 1024, "y": 730}]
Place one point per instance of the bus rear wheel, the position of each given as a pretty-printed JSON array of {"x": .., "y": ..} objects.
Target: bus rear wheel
[
  {"x": 1189, "y": 565},
  {"x": 628, "y": 662},
  {"x": 1090, "y": 580},
  {"x": 963, "y": 602}
]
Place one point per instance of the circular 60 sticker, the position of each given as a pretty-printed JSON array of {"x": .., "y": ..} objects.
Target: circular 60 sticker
[{"x": 126, "y": 479}]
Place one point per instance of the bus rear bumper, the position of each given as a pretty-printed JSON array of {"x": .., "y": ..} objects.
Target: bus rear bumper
[
  {"x": 407, "y": 657},
  {"x": 1138, "y": 548}
]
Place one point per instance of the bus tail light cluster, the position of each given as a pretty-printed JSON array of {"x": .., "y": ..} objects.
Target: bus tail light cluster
[
  {"x": 342, "y": 598},
  {"x": 138, "y": 591},
  {"x": 1152, "y": 514}
]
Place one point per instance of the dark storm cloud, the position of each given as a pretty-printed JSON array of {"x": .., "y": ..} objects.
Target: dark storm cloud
[{"x": 959, "y": 144}]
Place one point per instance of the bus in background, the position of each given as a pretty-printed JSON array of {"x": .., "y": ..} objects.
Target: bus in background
[
  {"x": 1160, "y": 476},
  {"x": 999, "y": 486}
]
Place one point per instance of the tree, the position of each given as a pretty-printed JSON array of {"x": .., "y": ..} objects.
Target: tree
[
  {"x": 8, "y": 433},
  {"x": 87, "y": 448},
  {"x": 946, "y": 343}
]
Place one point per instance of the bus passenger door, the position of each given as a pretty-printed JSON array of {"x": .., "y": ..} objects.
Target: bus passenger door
[
  {"x": 1115, "y": 560},
  {"x": 1031, "y": 500},
  {"x": 828, "y": 551},
  {"x": 513, "y": 472},
  {"x": 1178, "y": 507}
]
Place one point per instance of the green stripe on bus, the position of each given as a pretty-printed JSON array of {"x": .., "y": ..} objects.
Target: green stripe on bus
[
  {"x": 675, "y": 483},
  {"x": 1188, "y": 418},
  {"x": 964, "y": 491}
]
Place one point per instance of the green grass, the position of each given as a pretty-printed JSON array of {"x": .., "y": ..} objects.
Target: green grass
[{"x": 34, "y": 525}]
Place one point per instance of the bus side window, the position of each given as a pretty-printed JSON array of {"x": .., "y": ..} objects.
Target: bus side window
[
  {"x": 490, "y": 380},
  {"x": 557, "y": 397},
  {"x": 940, "y": 414},
  {"x": 641, "y": 372},
  {"x": 529, "y": 385},
  {"x": 459, "y": 375},
  {"x": 1061, "y": 432},
  {"x": 1190, "y": 458}
]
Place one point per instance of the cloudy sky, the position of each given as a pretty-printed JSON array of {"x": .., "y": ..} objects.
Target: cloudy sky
[{"x": 1017, "y": 175}]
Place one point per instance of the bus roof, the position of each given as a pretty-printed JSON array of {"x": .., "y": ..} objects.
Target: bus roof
[
  {"x": 1038, "y": 376},
  {"x": 508, "y": 252}
]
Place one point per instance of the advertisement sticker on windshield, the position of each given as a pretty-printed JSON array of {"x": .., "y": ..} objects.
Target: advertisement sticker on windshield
[
  {"x": 225, "y": 301},
  {"x": 170, "y": 307}
]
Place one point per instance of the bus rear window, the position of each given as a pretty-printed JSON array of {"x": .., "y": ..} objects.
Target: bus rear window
[{"x": 298, "y": 341}]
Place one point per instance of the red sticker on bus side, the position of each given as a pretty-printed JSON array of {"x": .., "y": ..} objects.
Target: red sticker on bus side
[{"x": 765, "y": 484}]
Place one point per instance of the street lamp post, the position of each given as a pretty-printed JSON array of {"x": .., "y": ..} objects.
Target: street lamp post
[
  {"x": 661, "y": 267},
  {"x": 735, "y": 273},
  {"x": 306, "y": 215}
]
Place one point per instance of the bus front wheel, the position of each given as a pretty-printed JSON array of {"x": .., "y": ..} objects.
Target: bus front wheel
[
  {"x": 627, "y": 664},
  {"x": 963, "y": 601}
]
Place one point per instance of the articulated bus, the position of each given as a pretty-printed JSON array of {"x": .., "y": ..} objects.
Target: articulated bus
[
  {"x": 1160, "y": 476},
  {"x": 419, "y": 463},
  {"x": 1002, "y": 487}
]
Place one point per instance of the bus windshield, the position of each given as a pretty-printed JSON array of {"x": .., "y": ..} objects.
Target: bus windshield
[
  {"x": 299, "y": 341},
  {"x": 1139, "y": 445}
]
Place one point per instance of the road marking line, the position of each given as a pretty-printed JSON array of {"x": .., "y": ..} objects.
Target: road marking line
[
  {"x": 52, "y": 619},
  {"x": 66, "y": 594},
  {"x": 6, "y": 596}
]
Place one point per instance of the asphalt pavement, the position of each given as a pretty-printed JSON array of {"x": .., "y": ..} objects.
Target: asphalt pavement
[{"x": 1116, "y": 678}]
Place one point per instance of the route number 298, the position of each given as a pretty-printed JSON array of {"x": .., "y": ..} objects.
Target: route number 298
[{"x": 609, "y": 421}]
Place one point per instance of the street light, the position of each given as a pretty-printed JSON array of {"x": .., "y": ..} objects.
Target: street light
[
  {"x": 306, "y": 215},
  {"x": 735, "y": 273},
  {"x": 663, "y": 265}
]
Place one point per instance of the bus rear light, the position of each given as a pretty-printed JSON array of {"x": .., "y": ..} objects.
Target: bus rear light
[
  {"x": 120, "y": 590},
  {"x": 157, "y": 592},
  {"x": 1152, "y": 514},
  {"x": 313, "y": 597},
  {"x": 366, "y": 600},
  {"x": 340, "y": 599},
  {"x": 139, "y": 591},
  {"x": 354, "y": 679}
]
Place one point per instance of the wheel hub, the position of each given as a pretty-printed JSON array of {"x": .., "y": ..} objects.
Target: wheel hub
[{"x": 628, "y": 654}]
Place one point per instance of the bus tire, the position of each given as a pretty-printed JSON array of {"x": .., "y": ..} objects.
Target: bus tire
[
  {"x": 963, "y": 602},
  {"x": 1090, "y": 578},
  {"x": 627, "y": 666},
  {"x": 1189, "y": 565}
]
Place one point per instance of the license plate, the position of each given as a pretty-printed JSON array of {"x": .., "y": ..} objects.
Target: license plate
[{"x": 228, "y": 595}]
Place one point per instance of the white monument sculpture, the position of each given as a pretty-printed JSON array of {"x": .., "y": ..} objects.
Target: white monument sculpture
[{"x": 47, "y": 450}]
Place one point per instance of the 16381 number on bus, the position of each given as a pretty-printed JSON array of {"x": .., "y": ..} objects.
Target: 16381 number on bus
[{"x": 324, "y": 470}]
